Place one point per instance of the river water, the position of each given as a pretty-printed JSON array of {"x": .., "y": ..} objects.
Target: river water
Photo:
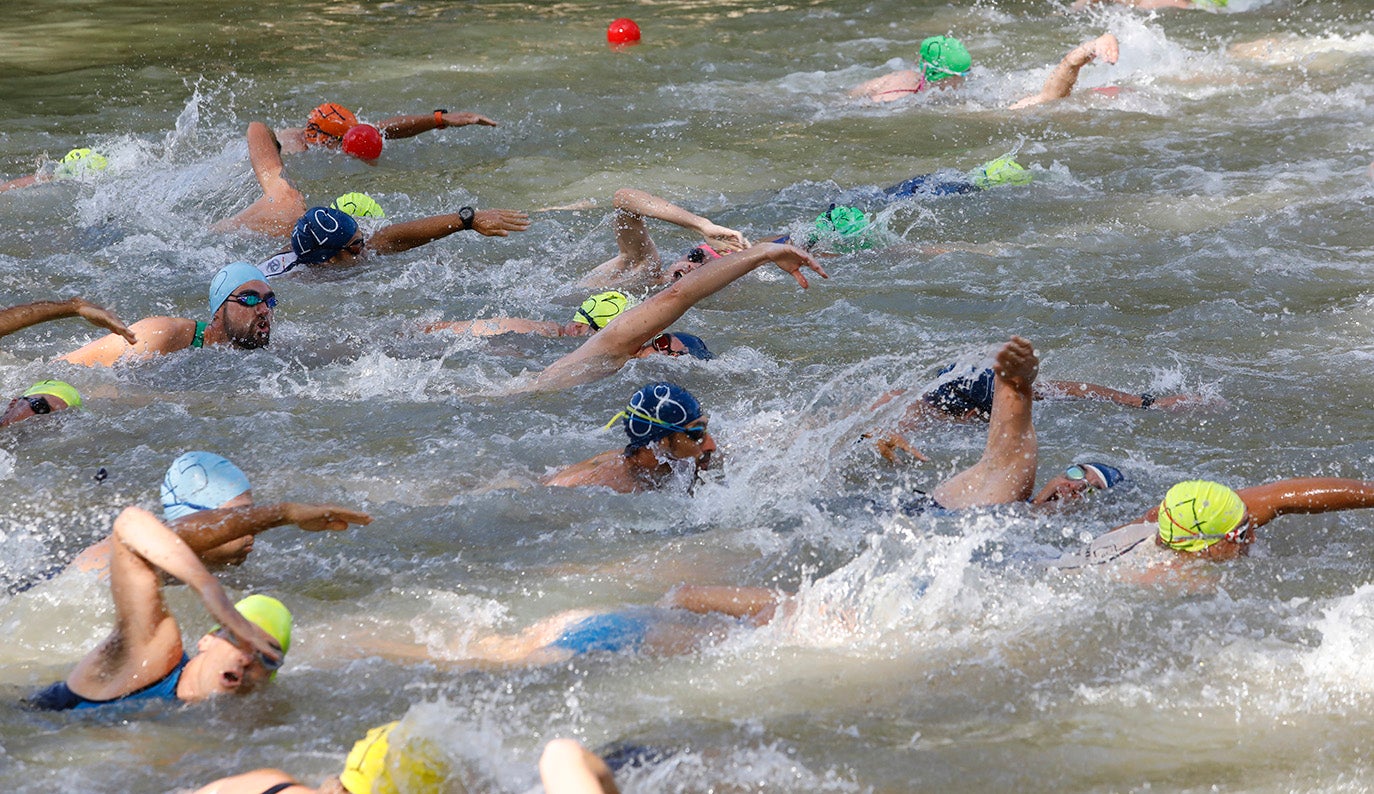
[{"x": 1206, "y": 230}]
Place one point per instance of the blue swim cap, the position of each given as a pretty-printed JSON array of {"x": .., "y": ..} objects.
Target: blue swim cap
[
  {"x": 200, "y": 481},
  {"x": 321, "y": 233},
  {"x": 656, "y": 411},
  {"x": 229, "y": 278},
  {"x": 695, "y": 347},
  {"x": 1111, "y": 475},
  {"x": 971, "y": 391}
]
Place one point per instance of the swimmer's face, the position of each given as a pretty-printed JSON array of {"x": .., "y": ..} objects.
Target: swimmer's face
[
  {"x": 694, "y": 259},
  {"x": 664, "y": 344},
  {"x": 21, "y": 408},
  {"x": 1069, "y": 486},
  {"x": 227, "y": 669},
  {"x": 249, "y": 327},
  {"x": 350, "y": 253},
  {"x": 695, "y": 444}
]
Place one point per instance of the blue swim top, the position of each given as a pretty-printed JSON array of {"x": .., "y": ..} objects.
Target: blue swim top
[
  {"x": 657, "y": 411},
  {"x": 969, "y": 391},
  {"x": 200, "y": 481}
]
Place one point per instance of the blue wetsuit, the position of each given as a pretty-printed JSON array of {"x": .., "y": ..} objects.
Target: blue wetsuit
[
  {"x": 60, "y": 697},
  {"x": 612, "y": 632},
  {"x": 930, "y": 185}
]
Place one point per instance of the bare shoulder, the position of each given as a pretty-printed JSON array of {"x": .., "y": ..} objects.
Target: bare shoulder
[
  {"x": 609, "y": 470},
  {"x": 255, "y": 782}
]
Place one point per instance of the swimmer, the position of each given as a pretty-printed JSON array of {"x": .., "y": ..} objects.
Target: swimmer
[
  {"x": 944, "y": 63},
  {"x": 388, "y": 760},
  {"x": 1061, "y": 81},
  {"x": 17, "y": 318},
  {"x": 1199, "y": 519},
  {"x": 595, "y": 313},
  {"x": 143, "y": 659},
  {"x": 667, "y": 434},
  {"x": 326, "y": 236},
  {"x": 329, "y": 122},
  {"x": 42, "y": 398},
  {"x": 639, "y": 263},
  {"x": 76, "y": 164},
  {"x": 208, "y": 502},
  {"x": 241, "y": 305}
]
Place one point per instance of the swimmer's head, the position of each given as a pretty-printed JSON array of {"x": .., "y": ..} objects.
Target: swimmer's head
[
  {"x": 656, "y": 411},
  {"x": 676, "y": 344},
  {"x": 1197, "y": 513},
  {"x": 944, "y": 56},
  {"x": 328, "y": 123},
  {"x": 200, "y": 481},
  {"x": 321, "y": 234},
  {"x": 380, "y": 763},
  {"x": 967, "y": 394},
  {"x": 848, "y": 224},
  {"x": 694, "y": 258},
  {"x": 229, "y": 278},
  {"x": 599, "y": 309},
  {"x": 60, "y": 389},
  {"x": 79, "y": 162},
  {"x": 359, "y": 205},
  {"x": 1076, "y": 482},
  {"x": 270, "y": 615},
  {"x": 1002, "y": 171}
]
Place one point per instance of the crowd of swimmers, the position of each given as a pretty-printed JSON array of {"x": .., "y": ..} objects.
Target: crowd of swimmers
[{"x": 210, "y": 516}]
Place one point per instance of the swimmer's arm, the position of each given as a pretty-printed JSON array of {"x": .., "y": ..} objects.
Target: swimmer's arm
[
  {"x": 292, "y": 140},
  {"x": 566, "y": 767},
  {"x": 758, "y": 604},
  {"x": 1061, "y": 81},
  {"x": 17, "y": 317},
  {"x": 155, "y": 335},
  {"x": 207, "y": 529},
  {"x": 409, "y": 126},
  {"x": 496, "y": 326},
  {"x": 631, "y": 203},
  {"x": 255, "y": 782},
  {"x": 404, "y": 236},
  {"x": 25, "y": 181},
  {"x": 1306, "y": 495},
  {"x": 1087, "y": 391}
]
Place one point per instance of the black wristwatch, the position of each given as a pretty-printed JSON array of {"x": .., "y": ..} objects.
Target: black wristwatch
[
  {"x": 466, "y": 215},
  {"x": 1146, "y": 400}
]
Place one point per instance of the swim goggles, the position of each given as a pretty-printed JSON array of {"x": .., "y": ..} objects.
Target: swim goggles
[
  {"x": 251, "y": 299},
  {"x": 38, "y": 404}
]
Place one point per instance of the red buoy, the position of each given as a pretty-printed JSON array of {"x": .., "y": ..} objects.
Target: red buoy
[
  {"x": 623, "y": 32},
  {"x": 363, "y": 141}
]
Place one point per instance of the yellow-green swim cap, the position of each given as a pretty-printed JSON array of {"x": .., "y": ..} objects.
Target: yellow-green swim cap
[
  {"x": 78, "y": 162},
  {"x": 270, "y": 615},
  {"x": 601, "y": 308},
  {"x": 376, "y": 766},
  {"x": 1197, "y": 513},
  {"x": 1002, "y": 171},
  {"x": 359, "y": 205},
  {"x": 56, "y": 388}
]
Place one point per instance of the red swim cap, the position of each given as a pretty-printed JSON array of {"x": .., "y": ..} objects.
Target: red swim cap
[
  {"x": 363, "y": 142},
  {"x": 328, "y": 123}
]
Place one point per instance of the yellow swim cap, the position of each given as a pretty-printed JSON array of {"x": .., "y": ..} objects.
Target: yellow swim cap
[
  {"x": 1197, "y": 513},
  {"x": 359, "y": 205},
  {"x": 56, "y": 388},
  {"x": 1002, "y": 171},
  {"x": 270, "y": 615},
  {"x": 374, "y": 766},
  {"x": 601, "y": 308},
  {"x": 78, "y": 162}
]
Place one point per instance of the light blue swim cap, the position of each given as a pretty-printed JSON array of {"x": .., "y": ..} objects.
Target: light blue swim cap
[
  {"x": 229, "y": 278},
  {"x": 200, "y": 481}
]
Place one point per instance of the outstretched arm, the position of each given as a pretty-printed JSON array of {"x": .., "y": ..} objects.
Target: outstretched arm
[
  {"x": 638, "y": 255},
  {"x": 411, "y": 234},
  {"x": 566, "y": 767},
  {"x": 758, "y": 604},
  {"x": 409, "y": 126},
  {"x": 1092, "y": 391},
  {"x": 208, "y": 530},
  {"x": 1065, "y": 75},
  {"x": 496, "y": 326},
  {"x": 1306, "y": 495},
  {"x": 154, "y": 335},
  {"x": 18, "y": 317},
  {"x": 281, "y": 204}
]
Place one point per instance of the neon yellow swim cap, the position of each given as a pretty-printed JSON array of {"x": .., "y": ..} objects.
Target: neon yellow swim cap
[
  {"x": 375, "y": 766},
  {"x": 1197, "y": 513},
  {"x": 1002, "y": 171},
  {"x": 78, "y": 162},
  {"x": 56, "y": 388},
  {"x": 601, "y": 308},
  {"x": 359, "y": 205}
]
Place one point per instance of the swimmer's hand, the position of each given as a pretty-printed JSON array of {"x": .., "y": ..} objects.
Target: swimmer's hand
[
  {"x": 324, "y": 518},
  {"x": 724, "y": 240},
  {"x": 889, "y": 445},
  {"x": 464, "y": 119},
  {"x": 792, "y": 259},
  {"x": 101, "y": 317},
  {"x": 499, "y": 223}
]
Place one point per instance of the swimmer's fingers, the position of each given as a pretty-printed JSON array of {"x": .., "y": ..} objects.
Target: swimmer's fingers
[
  {"x": 249, "y": 636},
  {"x": 499, "y": 223},
  {"x": 331, "y": 518},
  {"x": 724, "y": 239},
  {"x": 889, "y": 445},
  {"x": 103, "y": 318},
  {"x": 464, "y": 119}
]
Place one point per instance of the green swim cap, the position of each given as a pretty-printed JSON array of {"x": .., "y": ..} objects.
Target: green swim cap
[
  {"x": 1002, "y": 171},
  {"x": 601, "y": 308},
  {"x": 359, "y": 205},
  {"x": 270, "y": 615},
  {"x": 78, "y": 162},
  {"x": 944, "y": 56},
  {"x": 1210, "y": 3},
  {"x": 56, "y": 388},
  {"x": 1197, "y": 513},
  {"x": 845, "y": 221}
]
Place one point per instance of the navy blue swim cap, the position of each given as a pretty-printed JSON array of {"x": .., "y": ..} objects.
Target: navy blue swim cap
[
  {"x": 321, "y": 234},
  {"x": 656, "y": 411},
  {"x": 964, "y": 393},
  {"x": 1110, "y": 474},
  {"x": 695, "y": 347}
]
